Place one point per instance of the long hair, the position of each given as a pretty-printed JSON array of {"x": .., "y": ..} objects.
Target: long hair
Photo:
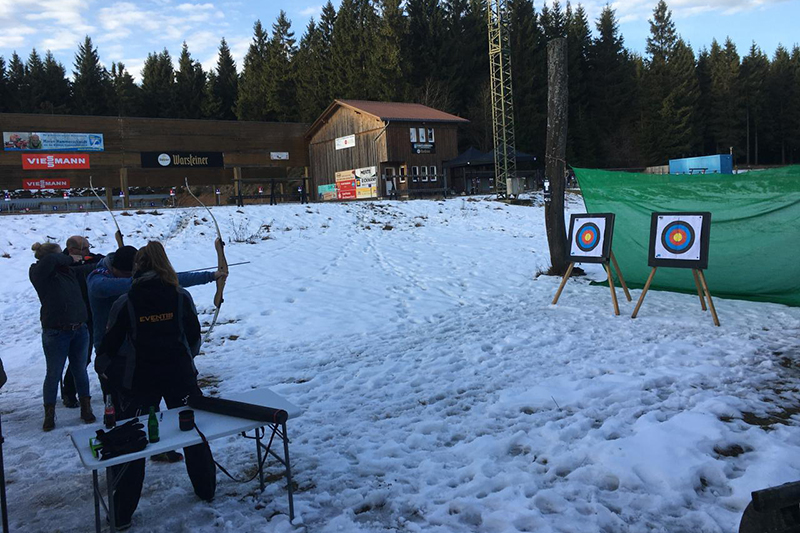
[
  {"x": 153, "y": 257},
  {"x": 42, "y": 249}
]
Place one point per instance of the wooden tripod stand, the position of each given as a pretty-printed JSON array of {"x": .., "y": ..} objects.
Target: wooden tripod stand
[
  {"x": 610, "y": 282},
  {"x": 699, "y": 282}
]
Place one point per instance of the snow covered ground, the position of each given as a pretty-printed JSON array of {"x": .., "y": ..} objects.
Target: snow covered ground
[{"x": 443, "y": 392}]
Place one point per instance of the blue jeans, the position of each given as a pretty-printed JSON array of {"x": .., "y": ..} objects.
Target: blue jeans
[{"x": 60, "y": 345}]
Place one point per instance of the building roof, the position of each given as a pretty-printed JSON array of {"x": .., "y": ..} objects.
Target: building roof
[
  {"x": 387, "y": 111},
  {"x": 473, "y": 156}
]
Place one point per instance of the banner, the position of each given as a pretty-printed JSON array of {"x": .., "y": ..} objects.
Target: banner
[
  {"x": 182, "y": 159},
  {"x": 327, "y": 192},
  {"x": 345, "y": 175},
  {"x": 279, "y": 156},
  {"x": 61, "y": 142},
  {"x": 367, "y": 182},
  {"x": 423, "y": 148},
  {"x": 346, "y": 190},
  {"x": 54, "y": 161},
  {"x": 45, "y": 184},
  {"x": 348, "y": 141}
]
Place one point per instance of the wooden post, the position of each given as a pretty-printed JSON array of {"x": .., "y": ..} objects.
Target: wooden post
[
  {"x": 563, "y": 282},
  {"x": 644, "y": 291},
  {"x": 110, "y": 196},
  {"x": 611, "y": 285},
  {"x": 699, "y": 289},
  {"x": 556, "y": 153},
  {"x": 123, "y": 183},
  {"x": 237, "y": 186},
  {"x": 619, "y": 275},
  {"x": 708, "y": 295}
]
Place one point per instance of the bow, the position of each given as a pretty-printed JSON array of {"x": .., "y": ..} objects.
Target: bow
[
  {"x": 222, "y": 263},
  {"x": 118, "y": 234}
]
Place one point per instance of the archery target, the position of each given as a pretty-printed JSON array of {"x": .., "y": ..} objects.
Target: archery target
[
  {"x": 678, "y": 237},
  {"x": 590, "y": 237}
]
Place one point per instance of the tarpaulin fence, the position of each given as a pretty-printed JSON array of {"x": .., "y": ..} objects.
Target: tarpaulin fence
[{"x": 754, "y": 249}]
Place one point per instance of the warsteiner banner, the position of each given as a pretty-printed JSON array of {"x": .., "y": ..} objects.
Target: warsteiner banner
[
  {"x": 17, "y": 141},
  {"x": 182, "y": 159}
]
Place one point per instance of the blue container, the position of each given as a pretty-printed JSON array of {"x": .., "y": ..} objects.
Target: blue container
[{"x": 707, "y": 164}]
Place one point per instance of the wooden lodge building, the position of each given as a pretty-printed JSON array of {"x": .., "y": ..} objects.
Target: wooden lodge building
[
  {"x": 361, "y": 149},
  {"x": 355, "y": 149}
]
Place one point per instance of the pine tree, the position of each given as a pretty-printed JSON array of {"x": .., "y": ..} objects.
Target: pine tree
[
  {"x": 794, "y": 109},
  {"x": 127, "y": 95},
  {"x": 91, "y": 86},
  {"x": 58, "y": 91},
  {"x": 726, "y": 105},
  {"x": 580, "y": 134},
  {"x": 530, "y": 83},
  {"x": 308, "y": 75},
  {"x": 223, "y": 86},
  {"x": 327, "y": 22},
  {"x": 158, "y": 86},
  {"x": 679, "y": 137},
  {"x": 34, "y": 72},
  {"x": 282, "y": 97},
  {"x": 704, "y": 101},
  {"x": 190, "y": 81},
  {"x": 663, "y": 37},
  {"x": 754, "y": 74},
  {"x": 390, "y": 69},
  {"x": 5, "y": 97},
  {"x": 553, "y": 21},
  {"x": 780, "y": 90},
  {"x": 252, "y": 101},
  {"x": 424, "y": 49}
]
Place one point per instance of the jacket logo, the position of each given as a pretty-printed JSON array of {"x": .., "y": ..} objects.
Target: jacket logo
[{"x": 157, "y": 318}]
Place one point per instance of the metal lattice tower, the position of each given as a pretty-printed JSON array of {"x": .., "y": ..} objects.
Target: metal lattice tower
[{"x": 505, "y": 161}]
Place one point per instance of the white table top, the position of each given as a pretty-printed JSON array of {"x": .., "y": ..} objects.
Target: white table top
[{"x": 213, "y": 426}]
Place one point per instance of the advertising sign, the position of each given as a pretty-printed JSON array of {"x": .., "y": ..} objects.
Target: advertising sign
[
  {"x": 279, "y": 156},
  {"x": 44, "y": 141},
  {"x": 54, "y": 161},
  {"x": 345, "y": 142},
  {"x": 423, "y": 148},
  {"x": 345, "y": 175},
  {"x": 327, "y": 192},
  {"x": 367, "y": 182},
  {"x": 45, "y": 184},
  {"x": 182, "y": 159},
  {"x": 346, "y": 190}
]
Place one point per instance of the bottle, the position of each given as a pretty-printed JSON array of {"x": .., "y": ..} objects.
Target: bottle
[
  {"x": 152, "y": 426},
  {"x": 110, "y": 415}
]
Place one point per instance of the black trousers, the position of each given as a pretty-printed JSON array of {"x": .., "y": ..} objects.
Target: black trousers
[{"x": 199, "y": 461}]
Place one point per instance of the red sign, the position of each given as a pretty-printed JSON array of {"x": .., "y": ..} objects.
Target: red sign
[
  {"x": 45, "y": 184},
  {"x": 54, "y": 161},
  {"x": 346, "y": 190}
]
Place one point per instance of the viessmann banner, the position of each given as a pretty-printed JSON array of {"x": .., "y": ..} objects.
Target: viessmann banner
[
  {"x": 182, "y": 160},
  {"x": 17, "y": 141},
  {"x": 55, "y": 161}
]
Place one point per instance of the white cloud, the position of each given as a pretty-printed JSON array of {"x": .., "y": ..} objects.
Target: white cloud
[
  {"x": 311, "y": 11},
  {"x": 15, "y": 36},
  {"x": 633, "y": 10},
  {"x": 195, "y": 7}
]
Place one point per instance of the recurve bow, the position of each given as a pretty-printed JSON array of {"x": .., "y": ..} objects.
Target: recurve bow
[{"x": 118, "y": 234}]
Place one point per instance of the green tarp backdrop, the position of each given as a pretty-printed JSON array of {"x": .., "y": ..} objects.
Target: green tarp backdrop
[{"x": 754, "y": 249}]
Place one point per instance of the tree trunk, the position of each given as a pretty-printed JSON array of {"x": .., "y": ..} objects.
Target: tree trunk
[{"x": 556, "y": 153}]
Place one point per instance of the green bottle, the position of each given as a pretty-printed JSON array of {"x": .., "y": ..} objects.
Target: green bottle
[{"x": 152, "y": 426}]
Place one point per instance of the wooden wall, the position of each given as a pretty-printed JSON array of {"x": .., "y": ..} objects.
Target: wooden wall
[{"x": 246, "y": 144}]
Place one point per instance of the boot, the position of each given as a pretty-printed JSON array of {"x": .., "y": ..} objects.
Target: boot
[
  {"x": 86, "y": 410},
  {"x": 49, "y": 417}
]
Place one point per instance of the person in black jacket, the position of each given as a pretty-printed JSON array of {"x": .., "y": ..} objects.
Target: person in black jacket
[
  {"x": 78, "y": 246},
  {"x": 64, "y": 332},
  {"x": 148, "y": 354}
]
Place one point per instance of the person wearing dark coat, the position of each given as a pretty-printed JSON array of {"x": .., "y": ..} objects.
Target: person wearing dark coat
[
  {"x": 64, "y": 332},
  {"x": 147, "y": 353},
  {"x": 78, "y": 246}
]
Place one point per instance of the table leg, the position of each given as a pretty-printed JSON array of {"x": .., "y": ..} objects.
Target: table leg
[
  {"x": 96, "y": 490},
  {"x": 258, "y": 455},
  {"x": 288, "y": 472},
  {"x": 112, "y": 516}
]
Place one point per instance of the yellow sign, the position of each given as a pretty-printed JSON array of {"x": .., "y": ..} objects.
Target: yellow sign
[
  {"x": 345, "y": 175},
  {"x": 366, "y": 192}
]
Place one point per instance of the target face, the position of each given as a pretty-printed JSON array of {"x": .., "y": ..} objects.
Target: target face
[
  {"x": 590, "y": 237},
  {"x": 679, "y": 239}
]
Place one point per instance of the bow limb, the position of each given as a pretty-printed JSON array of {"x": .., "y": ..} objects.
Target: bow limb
[
  {"x": 222, "y": 262},
  {"x": 118, "y": 234}
]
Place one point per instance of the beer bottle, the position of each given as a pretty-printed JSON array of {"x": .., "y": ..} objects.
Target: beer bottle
[
  {"x": 152, "y": 426},
  {"x": 110, "y": 415}
]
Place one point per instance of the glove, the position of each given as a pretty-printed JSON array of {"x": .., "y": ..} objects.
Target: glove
[
  {"x": 132, "y": 446},
  {"x": 120, "y": 435}
]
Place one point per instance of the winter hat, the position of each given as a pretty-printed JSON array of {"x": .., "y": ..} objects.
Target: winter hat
[{"x": 123, "y": 258}]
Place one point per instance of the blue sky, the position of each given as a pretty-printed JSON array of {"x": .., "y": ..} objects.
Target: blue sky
[{"x": 127, "y": 30}]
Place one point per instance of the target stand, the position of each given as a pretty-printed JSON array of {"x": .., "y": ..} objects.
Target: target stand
[
  {"x": 590, "y": 242},
  {"x": 680, "y": 240}
]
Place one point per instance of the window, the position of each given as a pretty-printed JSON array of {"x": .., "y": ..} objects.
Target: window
[
  {"x": 424, "y": 173},
  {"x": 422, "y": 135},
  {"x": 413, "y": 132},
  {"x": 402, "y": 174},
  {"x": 430, "y": 135},
  {"x": 433, "y": 172},
  {"x": 414, "y": 173}
]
